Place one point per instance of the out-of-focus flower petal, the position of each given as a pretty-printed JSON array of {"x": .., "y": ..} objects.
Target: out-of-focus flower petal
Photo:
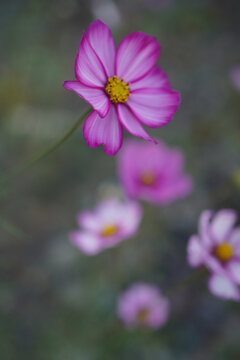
[
  {"x": 100, "y": 37},
  {"x": 195, "y": 251},
  {"x": 159, "y": 314},
  {"x": 103, "y": 131},
  {"x": 204, "y": 228},
  {"x": 222, "y": 224},
  {"x": 89, "y": 69},
  {"x": 88, "y": 221},
  {"x": 154, "y": 107},
  {"x": 136, "y": 55},
  {"x": 234, "y": 270},
  {"x": 87, "y": 242},
  {"x": 234, "y": 240},
  {"x": 223, "y": 288},
  {"x": 132, "y": 215},
  {"x": 172, "y": 190},
  {"x": 94, "y": 96}
]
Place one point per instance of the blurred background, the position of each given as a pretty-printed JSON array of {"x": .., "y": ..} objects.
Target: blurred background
[{"x": 56, "y": 303}]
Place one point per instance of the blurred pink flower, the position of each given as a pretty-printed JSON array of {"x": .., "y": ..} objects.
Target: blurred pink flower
[
  {"x": 110, "y": 223},
  {"x": 124, "y": 86},
  {"x": 235, "y": 77},
  {"x": 218, "y": 248},
  {"x": 152, "y": 172},
  {"x": 143, "y": 305}
]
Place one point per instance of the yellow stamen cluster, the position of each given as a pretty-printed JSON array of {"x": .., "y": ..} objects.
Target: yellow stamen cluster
[
  {"x": 224, "y": 252},
  {"x": 147, "y": 179},
  {"x": 109, "y": 230},
  {"x": 142, "y": 316},
  {"x": 117, "y": 90}
]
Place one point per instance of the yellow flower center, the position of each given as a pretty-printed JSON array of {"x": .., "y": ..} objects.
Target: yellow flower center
[
  {"x": 148, "y": 179},
  {"x": 224, "y": 252},
  {"x": 109, "y": 230},
  {"x": 117, "y": 90},
  {"x": 142, "y": 316}
]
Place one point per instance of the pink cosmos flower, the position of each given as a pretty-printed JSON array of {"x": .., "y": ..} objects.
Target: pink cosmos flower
[
  {"x": 125, "y": 87},
  {"x": 218, "y": 248},
  {"x": 152, "y": 172},
  {"x": 110, "y": 223},
  {"x": 143, "y": 305}
]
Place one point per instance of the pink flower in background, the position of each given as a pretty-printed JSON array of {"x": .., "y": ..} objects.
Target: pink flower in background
[
  {"x": 152, "y": 172},
  {"x": 110, "y": 223},
  {"x": 143, "y": 305},
  {"x": 217, "y": 247},
  {"x": 125, "y": 87},
  {"x": 235, "y": 77}
]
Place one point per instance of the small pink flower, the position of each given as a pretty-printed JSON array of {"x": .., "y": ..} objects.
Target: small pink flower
[
  {"x": 125, "y": 87},
  {"x": 235, "y": 77},
  {"x": 110, "y": 223},
  {"x": 218, "y": 248},
  {"x": 143, "y": 305},
  {"x": 152, "y": 172}
]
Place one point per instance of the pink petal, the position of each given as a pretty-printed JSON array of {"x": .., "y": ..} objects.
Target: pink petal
[
  {"x": 137, "y": 53},
  {"x": 167, "y": 192},
  {"x": 130, "y": 219},
  {"x": 195, "y": 251},
  {"x": 101, "y": 40},
  {"x": 204, "y": 228},
  {"x": 126, "y": 166},
  {"x": 94, "y": 96},
  {"x": 131, "y": 124},
  {"x": 159, "y": 314},
  {"x": 154, "y": 107},
  {"x": 222, "y": 224},
  {"x": 103, "y": 131},
  {"x": 175, "y": 162},
  {"x": 223, "y": 288},
  {"x": 89, "y": 69},
  {"x": 233, "y": 268},
  {"x": 89, "y": 221},
  {"x": 234, "y": 239},
  {"x": 86, "y": 242},
  {"x": 154, "y": 79}
]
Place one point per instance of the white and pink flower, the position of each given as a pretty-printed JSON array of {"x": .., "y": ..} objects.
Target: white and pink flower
[
  {"x": 111, "y": 222},
  {"x": 217, "y": 247},
  {"x": 143, "y": 305},
  {"x": 124, "y": 86}
]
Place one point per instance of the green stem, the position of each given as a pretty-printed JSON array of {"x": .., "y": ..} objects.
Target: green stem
[{"x": 39, "y": 156}]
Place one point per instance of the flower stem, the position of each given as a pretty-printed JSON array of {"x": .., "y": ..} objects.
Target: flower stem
[{"x": 42, "y": 154}]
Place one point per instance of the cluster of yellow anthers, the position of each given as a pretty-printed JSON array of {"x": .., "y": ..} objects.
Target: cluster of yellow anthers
[
  {"x": 109, "y": 230},
  {"x": 117, "y": 90},
  {"x": 224, "y": 252}
]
